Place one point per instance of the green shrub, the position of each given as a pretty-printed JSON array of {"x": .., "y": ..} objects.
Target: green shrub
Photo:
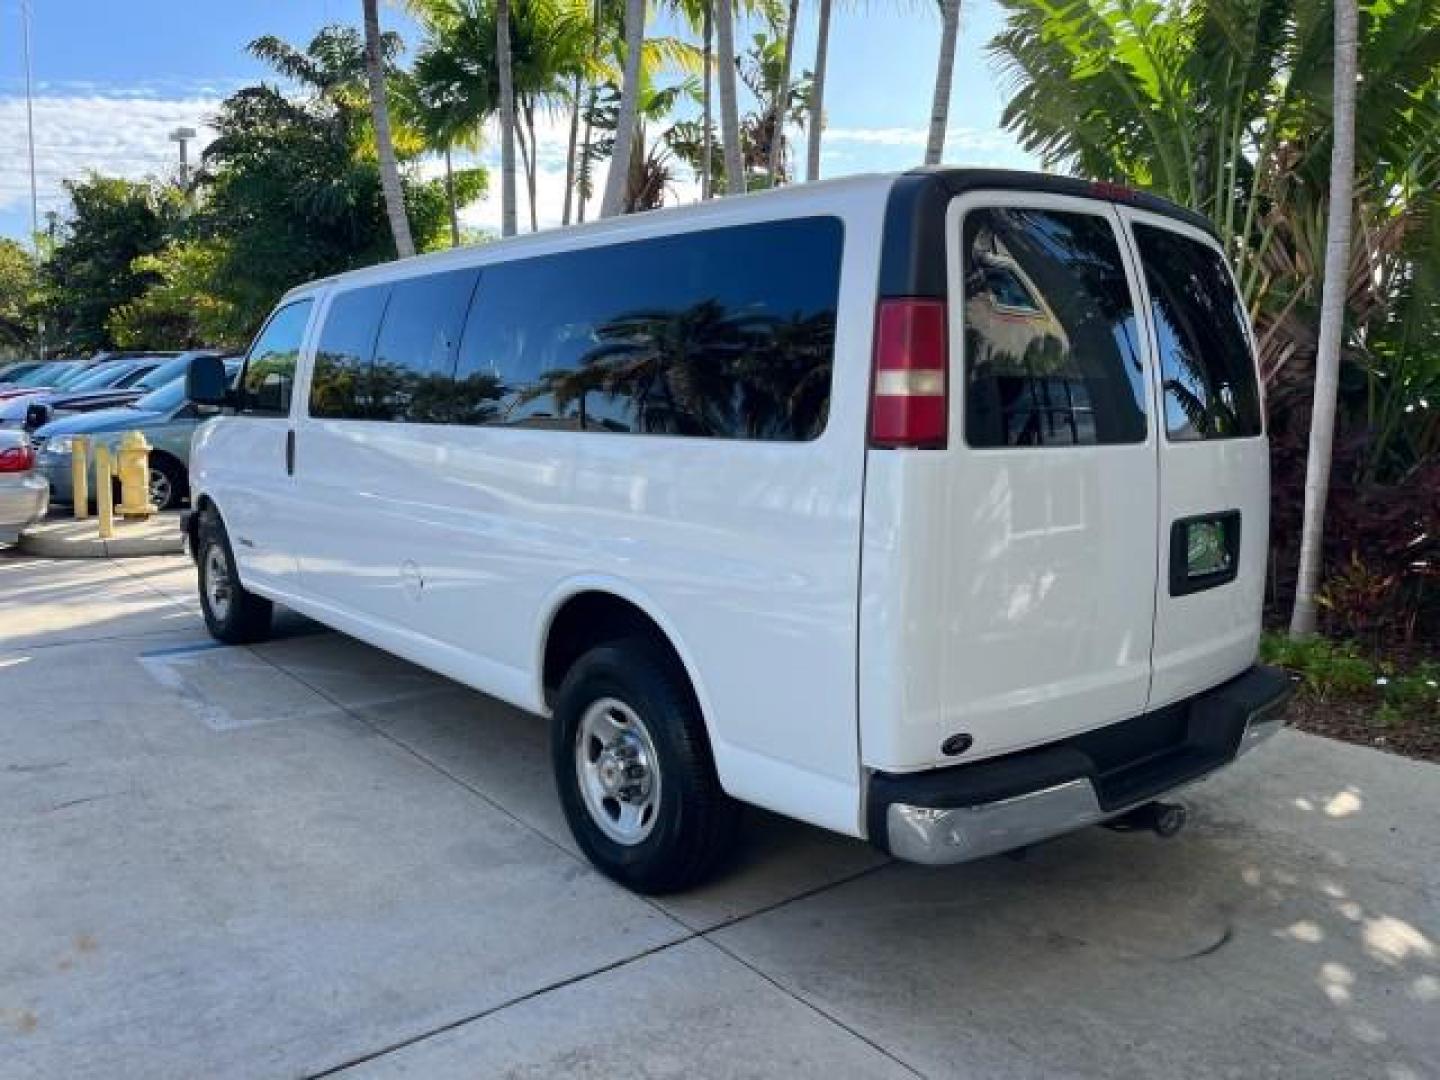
[{"x": 1338, "y": 669}]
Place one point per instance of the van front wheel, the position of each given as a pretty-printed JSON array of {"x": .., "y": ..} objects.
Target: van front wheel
[
  {"x": 233, "y": 614},
  {"x": 634, "y": 769}
]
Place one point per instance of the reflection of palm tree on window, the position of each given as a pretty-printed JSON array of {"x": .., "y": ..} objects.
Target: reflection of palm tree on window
[{"x": 701, "y": 371}]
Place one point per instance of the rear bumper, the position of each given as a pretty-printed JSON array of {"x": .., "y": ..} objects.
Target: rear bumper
[
  {"x": 22, "y": 502},
  {"x": 970, "y": 811}
]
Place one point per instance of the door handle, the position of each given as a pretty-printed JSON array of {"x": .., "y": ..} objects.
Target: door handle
[{"x": 290, "y": 452}]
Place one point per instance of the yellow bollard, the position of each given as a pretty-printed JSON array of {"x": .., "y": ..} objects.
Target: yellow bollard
[
  {"x": 104, "y": 492},
  {"x": 80, "y": 476},
  {"x": 135, "y": 477}
]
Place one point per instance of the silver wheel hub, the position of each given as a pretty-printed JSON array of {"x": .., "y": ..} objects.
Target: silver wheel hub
[
  {"x": 218, "y": 590},
  {"x": 618, "y": 771}
]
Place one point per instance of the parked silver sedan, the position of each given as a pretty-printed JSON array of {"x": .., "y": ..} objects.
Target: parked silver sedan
[{"x": 24, "y": 494}]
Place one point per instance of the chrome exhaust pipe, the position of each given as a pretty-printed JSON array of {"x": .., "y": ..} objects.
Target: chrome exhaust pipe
[{"x": 1163, "y": 819}]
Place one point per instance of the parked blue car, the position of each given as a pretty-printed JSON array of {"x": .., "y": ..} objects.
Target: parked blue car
[{"x": 165, "y": 417}]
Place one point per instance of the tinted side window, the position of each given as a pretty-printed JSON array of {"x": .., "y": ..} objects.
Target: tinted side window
[
  {"x": 269, "y": 374},
  {"x": 342, "y": 358},
  {"x": 412, "y": 376},
  {"x": 723, "y": 333},
  {"x": 1205, "y": 362},
  {"x": 1051, "y": 345}
]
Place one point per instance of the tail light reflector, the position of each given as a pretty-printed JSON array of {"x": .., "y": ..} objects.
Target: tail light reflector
[
  {"x": 911, "y": 401},
  {"x": 17, "y": 459}
]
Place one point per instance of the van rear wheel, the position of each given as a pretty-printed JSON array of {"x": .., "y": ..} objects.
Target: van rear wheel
[
  {"x": 634, "y": 770},
  {"x": 232, "y": 613}
]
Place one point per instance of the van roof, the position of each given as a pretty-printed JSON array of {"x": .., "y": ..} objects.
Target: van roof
[{"x": 918, "y": 192}]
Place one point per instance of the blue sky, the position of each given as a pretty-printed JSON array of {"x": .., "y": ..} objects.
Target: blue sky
[{"x": 112, "y": 79}]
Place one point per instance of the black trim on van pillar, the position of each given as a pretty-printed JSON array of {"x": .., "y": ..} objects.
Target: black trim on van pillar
[
  {"x": 965, "y": 812},
  {"x": 912, "y": 257}
]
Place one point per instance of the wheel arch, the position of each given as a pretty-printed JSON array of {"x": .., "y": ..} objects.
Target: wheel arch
[
  {"x": 584, "y": 612},
  {"x": 161, "y": 454}
]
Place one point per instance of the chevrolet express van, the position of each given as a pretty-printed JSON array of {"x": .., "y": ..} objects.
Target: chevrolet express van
[{"x": 931, "y": 509}]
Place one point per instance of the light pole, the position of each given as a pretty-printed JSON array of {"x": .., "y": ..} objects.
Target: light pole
[
  {"x": 30, "y": 150},
  {"x": 30, "y": 128},
  {"x": 183, "y": 135}
]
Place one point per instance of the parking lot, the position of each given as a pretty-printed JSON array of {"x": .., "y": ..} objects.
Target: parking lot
[{"x": 308, "y": 858}]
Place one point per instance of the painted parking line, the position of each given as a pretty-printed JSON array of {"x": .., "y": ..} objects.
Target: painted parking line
[{"x": 183, "y": 650}]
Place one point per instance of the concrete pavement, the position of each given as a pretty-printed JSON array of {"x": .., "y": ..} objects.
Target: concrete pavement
[{"x": 309, "y": 858}]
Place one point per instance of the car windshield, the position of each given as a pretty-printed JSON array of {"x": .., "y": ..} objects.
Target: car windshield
[
  {"x": 11, "y": 372},
  {"x": 100, "y": 376},
  {"x": 44, "y": 375},
  {"x": 164, "y": 374},
  {"x": 68, "y": 380},
  {"x": 168, "y": 397}
]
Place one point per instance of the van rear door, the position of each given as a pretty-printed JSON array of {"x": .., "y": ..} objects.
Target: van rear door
[
  {"x": 1214, "y": 496},
  {"x": 1012, "y": 574}
]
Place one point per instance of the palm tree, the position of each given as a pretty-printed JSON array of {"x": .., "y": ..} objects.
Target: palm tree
[
  {"x": 1332, "y": 318},
  {"x": 940, "y": 107},
  {"x": 384, "y": 146},
  {"x": 817, "y": 96},
  {"x": 615, "y": 182},
  {"x": 729, "y": 106},
  {"x": 507, "y": 118},
  {"x": 777, "y": 140},
  {"x": 431, "y": 101},
  {"x": 707, "y": 157}
]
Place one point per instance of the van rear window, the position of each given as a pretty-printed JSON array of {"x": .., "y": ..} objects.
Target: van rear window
[
  {"x": 1051, "y": 344},
  {"x": 1206, "y": 365}
]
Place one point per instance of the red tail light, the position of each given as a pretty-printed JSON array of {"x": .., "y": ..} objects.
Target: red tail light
[
  {"x": 16, "y": 459},
  {"x": 911, "y": 401}
]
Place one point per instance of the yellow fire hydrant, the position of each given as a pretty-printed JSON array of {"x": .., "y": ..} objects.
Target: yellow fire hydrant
[{"x": 135, "y": 476}]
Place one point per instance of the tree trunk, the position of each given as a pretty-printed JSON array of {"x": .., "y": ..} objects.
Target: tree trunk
[
  {"x": 782, "y": 95},
  {"x": 707, "y": 147},
  {"x": 532, "y": 164},
  {"x": 1332, "y": 320},
  {"x": 507, "y": 119},
  {"x": 944, "y": 74},
  {"x": 526, "y": 158},
  {"x": 583, "y": 170},
  {"x": 450, "y": 197},
  {"x": 384, "y": 145},
  {"x": 616, "y": 180},
  {"x": 729, "y": 109},
  {"x": 817, "y": 97},
  {"x": 577, "y": 90}
]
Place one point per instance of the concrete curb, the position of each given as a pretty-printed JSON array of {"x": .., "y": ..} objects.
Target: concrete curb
[{"x": 160, "y": 535}]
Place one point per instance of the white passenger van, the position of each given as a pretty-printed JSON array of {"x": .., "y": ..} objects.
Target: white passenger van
[{"x": 931, "y": 509}]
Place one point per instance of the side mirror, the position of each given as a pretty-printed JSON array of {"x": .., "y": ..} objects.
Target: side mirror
[{"x": 206, "y": 382}]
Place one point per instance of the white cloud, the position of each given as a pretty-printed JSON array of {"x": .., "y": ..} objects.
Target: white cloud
[
  {"x": 119, "y": 135},
  {"x": 957, "y": 139}
]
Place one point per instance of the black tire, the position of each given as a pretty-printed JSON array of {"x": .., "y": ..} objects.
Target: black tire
[
  {"x": 694, "y": 820},
  {"x": 176, "y": 482},
  {"x": 242, "y": 618}
]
